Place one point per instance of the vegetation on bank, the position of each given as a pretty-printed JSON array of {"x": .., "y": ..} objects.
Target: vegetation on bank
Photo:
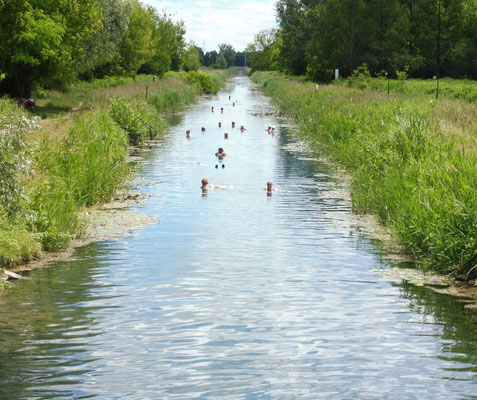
[
  {"x": 51, "y": 169},
  {"x": 412, "y": 161},
  {"x": 446, "y": 88}
]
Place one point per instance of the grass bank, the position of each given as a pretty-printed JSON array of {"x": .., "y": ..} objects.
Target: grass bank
[
  {"x": 52, "y": 168},
  {"x": 461, "y": 89},
  {"x": 412, "y": 160}
]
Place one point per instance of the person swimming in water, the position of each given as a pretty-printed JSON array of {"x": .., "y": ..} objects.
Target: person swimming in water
[
  {"x": 220, "y": 153},
  {"x": 205, "y": 185},
  {"x": 270, "y": 189}
]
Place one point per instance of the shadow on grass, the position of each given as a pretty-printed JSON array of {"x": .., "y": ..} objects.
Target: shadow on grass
[{"x": 49, "y": 110}]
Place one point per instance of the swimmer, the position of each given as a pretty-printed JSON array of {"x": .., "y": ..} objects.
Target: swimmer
[
  {"x": 220, "y": 153},
  {"x": 205, "y": 185},
  {"x": 270, "y": 189},
  {"x": 271, "y": 128},
  {"x": 242, "y": 128}
]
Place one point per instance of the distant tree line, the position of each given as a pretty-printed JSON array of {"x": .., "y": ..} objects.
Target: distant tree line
[
  {"x": 425, "y": 38},
  {"x": 52, "y": 43},
  {"x": 226, "y": 57}
]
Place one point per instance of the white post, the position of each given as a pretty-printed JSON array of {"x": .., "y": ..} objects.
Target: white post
[{"x": 337, "y": 73}]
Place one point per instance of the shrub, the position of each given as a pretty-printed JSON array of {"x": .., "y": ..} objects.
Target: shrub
[
  {"x": 138, "y": 122},
  {"x": 203, "y": 81},
  {"x": 126, "y": 117},
  {"x": 13, "y": 126}
]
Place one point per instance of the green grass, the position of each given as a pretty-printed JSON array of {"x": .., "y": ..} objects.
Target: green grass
[
  {"x": 462, "y": 89},
  {"x": 412, "y": 161},
  {"x": 81, "y": 169}
]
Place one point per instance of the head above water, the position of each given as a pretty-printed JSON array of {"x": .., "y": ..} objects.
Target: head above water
[
  {"x": 205, "y": 181},
  {"x": 221, "y": 150}
]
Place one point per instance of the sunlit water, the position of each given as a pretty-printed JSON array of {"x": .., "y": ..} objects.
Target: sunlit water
[{"x": 233, "y": 295}]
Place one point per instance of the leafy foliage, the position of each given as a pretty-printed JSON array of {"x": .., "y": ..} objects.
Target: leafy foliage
[
  {"x": 14, "y": 124},
  {"x": 429, "y": 37},
  {"x": 51, "y": 44}
]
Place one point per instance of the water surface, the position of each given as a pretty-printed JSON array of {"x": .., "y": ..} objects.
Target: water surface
[{"x": 236, "y": 294}]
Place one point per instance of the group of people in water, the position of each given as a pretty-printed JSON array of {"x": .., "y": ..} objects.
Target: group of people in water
[{"x": 220, "y": 154}]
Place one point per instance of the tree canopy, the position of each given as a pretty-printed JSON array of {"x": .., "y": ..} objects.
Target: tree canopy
[
  {"x": 425, "y": 37},
  {"x": 52, "y": 43}
]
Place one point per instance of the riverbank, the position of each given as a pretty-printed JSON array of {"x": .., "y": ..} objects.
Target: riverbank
[
  {"x": 61, "y": 169},
  {"x": 411, "y": 160}
]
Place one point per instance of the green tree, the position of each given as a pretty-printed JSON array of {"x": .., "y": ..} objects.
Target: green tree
[
  {"x": 169, "y": 44},
  {"x": 263, "y": 52},
  {"x": 294, "y": 35},
  {"x": 191, "y": 58},
  {"x": 229, "y": 53},
  {"x": 210, "y": 58},
  {"x": 221, "y": 63},
  {"x": 42, "y": 40},
  {"x": 137, "y": 45},
  {"x": 103, "y": 48}
]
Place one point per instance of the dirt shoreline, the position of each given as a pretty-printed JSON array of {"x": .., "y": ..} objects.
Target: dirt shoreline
[{"x": 110, "y": 221}]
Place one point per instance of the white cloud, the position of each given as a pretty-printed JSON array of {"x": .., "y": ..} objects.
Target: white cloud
[
  {"x": 203, "y": 3},
  {"x": 221, "y": 22}
]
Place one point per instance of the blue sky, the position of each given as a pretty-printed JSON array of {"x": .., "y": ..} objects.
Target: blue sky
[{"x": 220, "y": 21}]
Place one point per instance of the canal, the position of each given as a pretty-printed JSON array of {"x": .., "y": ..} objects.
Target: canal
[{"x": 233, "y": 294}]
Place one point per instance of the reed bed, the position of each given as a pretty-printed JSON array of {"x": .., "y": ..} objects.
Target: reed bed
[{"x": 411, "y": 159}]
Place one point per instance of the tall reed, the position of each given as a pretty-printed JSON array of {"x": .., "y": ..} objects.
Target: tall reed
[
  {"x": 81, "y": 169},
  {"x": 404, "y": 166}
]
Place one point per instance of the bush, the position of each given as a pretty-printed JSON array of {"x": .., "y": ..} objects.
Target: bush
[
  {"x": 138, "y": 122},
  {"x": 360, "y": 77},
  {"x": 203, "y": 81},
  {"x": 13, "y": 126}
]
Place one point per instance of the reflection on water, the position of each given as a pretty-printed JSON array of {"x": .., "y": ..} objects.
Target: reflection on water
[{"x": 235, "y": 295}]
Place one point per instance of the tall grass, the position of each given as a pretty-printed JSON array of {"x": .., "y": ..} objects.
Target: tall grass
[
  {"x": 173, "y": 94},
  {"x": 78, "y": 159},
  {"x": 138, "y": 120},
  {"x": 81, "y": 169},
  {"x": 462, "y": 89},
  {"x": 405, "y": 166}
]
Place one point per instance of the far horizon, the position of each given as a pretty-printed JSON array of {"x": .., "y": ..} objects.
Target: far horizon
[{"x": 209, "y": 23}]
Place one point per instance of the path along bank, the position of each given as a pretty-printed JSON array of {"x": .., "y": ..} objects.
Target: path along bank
[
  {"x": 54, "y": 170},
  {"x": 412, "y": 162}
]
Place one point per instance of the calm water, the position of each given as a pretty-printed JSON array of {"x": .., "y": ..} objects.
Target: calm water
[{"x": 235, "y": 295}]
